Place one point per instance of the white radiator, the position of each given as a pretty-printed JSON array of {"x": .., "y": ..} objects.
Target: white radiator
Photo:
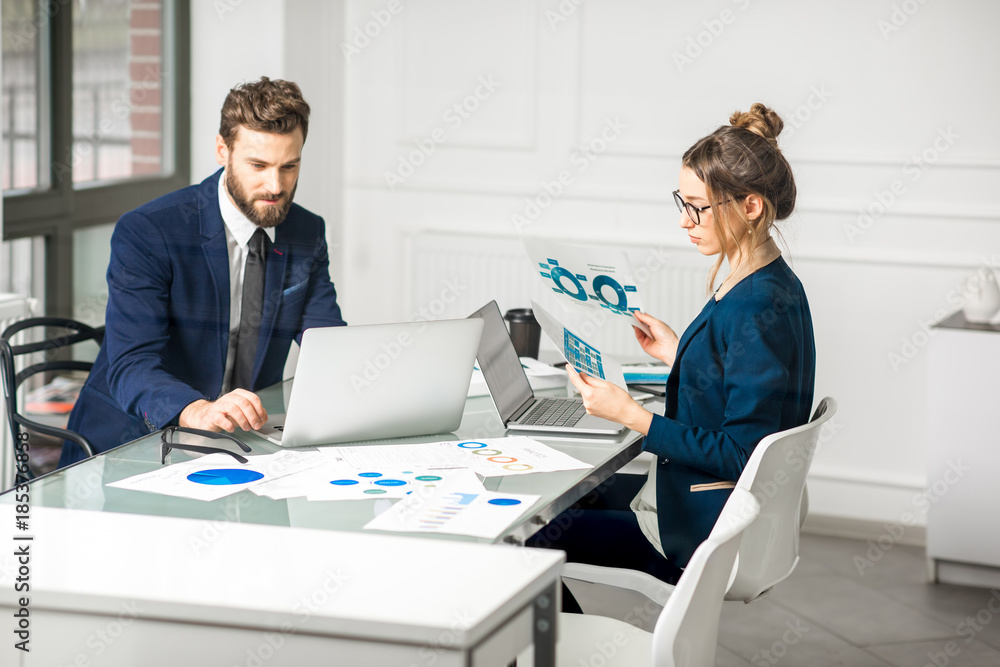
[
  {"x": 13, "y": 307},
  {"x": 452, "y": 275}
]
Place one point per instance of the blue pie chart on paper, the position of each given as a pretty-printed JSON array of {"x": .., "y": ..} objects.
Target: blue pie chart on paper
[
  {"x": 225, "y": 476},
  {"x": 504, "y": 501}
]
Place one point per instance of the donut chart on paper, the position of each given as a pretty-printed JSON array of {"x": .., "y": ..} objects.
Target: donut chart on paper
[
  {"x": 225, "y": 476},
  {"x": 557, "y": 273},
  {"x": 621, "y": 304},
  {"x": 495, "y": 456},
  {"x": 573, "y": 285}
]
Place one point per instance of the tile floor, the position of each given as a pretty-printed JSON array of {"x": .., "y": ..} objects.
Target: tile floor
[{"x": 837, "y": 610}]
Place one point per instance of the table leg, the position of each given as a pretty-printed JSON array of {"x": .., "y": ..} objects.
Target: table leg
[{"x": 546, "y": 609}]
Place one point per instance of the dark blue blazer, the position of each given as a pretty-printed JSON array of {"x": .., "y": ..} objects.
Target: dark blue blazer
[
  {"x": 168, "y": 313},
  {"x": 744, "y": 369}
]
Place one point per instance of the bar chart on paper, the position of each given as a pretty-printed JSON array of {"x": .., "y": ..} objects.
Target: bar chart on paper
[{"x": 454, "y": 511}]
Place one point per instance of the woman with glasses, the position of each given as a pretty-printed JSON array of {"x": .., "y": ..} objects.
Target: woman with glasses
[{"x": 743, "y": 369}]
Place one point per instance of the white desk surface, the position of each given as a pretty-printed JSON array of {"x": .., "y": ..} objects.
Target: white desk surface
[{"x": 378, "y": 587}]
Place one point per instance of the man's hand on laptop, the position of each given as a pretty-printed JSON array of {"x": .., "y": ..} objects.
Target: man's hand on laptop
[{"x": 239, "y": 408}]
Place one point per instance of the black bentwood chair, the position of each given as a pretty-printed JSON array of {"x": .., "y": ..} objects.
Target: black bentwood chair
[{"x": 72, "y": 332}]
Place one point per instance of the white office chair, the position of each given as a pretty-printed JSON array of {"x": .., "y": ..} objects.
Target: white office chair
[
  {"x": 686, "y": 632},
  {"x": 775, "y": 474}
]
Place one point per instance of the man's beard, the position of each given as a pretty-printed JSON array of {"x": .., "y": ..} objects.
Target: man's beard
[{"x": 272, "y": 215}]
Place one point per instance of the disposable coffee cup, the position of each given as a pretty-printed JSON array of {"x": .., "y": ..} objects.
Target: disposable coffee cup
[{"x": 525, "y": 331}]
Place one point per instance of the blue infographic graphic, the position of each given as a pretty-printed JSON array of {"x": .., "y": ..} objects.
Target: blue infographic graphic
[
  {"x": 584, "y": 358},
  {"x": 225, "y": 476},
  {"x": 605, "y": 289},
  {"x": 504, "y": 502},
  {"x": 376, "y": 481}
]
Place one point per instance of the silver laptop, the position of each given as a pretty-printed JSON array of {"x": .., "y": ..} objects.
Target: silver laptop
[
  {"x": 377, "y": 381},
  {"x": 516, "y": 403}
]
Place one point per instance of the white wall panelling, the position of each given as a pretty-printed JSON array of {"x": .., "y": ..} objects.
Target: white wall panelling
[{"x": 861, "y": 99}]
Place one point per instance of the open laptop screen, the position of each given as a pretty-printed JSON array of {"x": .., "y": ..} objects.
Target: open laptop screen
[{"x": 498, "y": 360}]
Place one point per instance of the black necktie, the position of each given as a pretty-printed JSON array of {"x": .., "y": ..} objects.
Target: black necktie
[{"x": 250, "y": 313}]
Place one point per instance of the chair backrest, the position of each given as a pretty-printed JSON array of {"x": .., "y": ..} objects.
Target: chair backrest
[
  {"x": 687, "y": 631},
  {"x": 72, "y": 332},
  {"x": 776, "y": 476}
]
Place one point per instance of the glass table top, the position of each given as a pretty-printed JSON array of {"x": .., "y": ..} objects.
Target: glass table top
[{"x": 84, "y": 485}]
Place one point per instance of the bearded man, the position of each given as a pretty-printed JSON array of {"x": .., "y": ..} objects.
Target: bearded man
[{"x": 209, "y": 285}]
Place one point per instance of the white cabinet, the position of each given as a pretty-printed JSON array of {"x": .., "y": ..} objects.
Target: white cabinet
[{"x": 963, "y": 480}]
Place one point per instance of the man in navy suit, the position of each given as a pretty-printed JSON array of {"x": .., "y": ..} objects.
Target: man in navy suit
[{"x": 185, "y": 342}]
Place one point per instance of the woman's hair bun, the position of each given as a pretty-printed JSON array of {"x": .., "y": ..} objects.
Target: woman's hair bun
[{"x": 760, "y": 120}]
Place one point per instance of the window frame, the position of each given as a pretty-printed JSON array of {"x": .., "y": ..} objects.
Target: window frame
[{"x": 57, "y": 212}]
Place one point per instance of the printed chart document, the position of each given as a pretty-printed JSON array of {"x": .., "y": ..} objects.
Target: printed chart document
[
  {"x": 583, "y": 277},
  {"x": 583, "y": 356},
  {"x": 219, "y": 475},
  {"x": 298, "y": 484},
  {"x": 388, "y": 456},
  {"x": 397, "y": 483},
  {"x": 338, "y": 480},
  {"x": 490, "y": 457},
  {"x": 456, "y": 511},
  {"x": 515, "y": 455}
]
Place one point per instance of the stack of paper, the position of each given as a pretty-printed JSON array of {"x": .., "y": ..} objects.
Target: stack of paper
[
  {"x": 540, "y": 376},
  {"x": 646, "y": 373},
  {"x": 438, "y": 481}
]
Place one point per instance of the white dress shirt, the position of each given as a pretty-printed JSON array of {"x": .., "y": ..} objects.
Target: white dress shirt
[{"x": 238, "y": 232}]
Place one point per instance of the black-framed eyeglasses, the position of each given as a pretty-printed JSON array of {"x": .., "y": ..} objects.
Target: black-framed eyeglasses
[
  {"x": 693, "y": 212},
  {"x": 166, "y": 445}
]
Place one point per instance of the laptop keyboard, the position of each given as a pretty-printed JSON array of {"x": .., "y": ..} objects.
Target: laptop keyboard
[{"x": 553, "y": 412}]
